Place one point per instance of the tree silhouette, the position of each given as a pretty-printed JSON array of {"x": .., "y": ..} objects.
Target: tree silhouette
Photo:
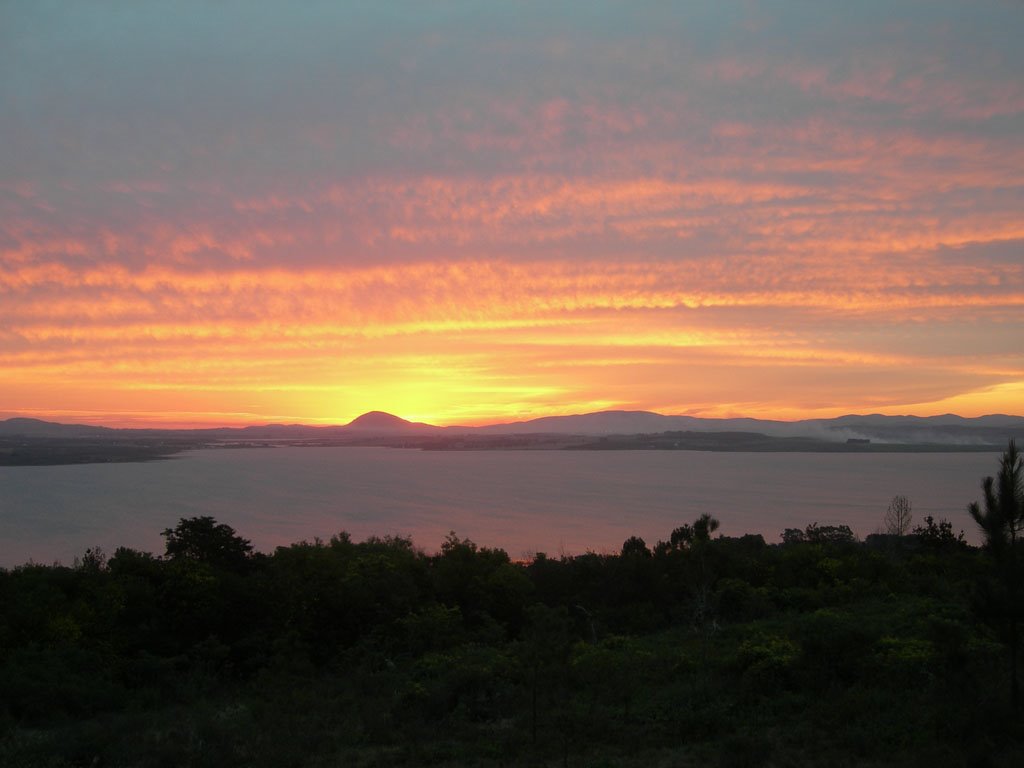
[
  {"x": 898, "y": 516},
  {"x": 204, "y": 540},
  {"x": 704, "y": 526},
  {"x": 634, "y": 546},
  {"x": 681, "y": 537},
  {"x": 684, "y": 537},
  {"x": 938, "y": 535},
  {"x": 1000, "y": 521}
]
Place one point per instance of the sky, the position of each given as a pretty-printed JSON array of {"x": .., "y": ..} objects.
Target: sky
[{"x": 465, "y": 213}]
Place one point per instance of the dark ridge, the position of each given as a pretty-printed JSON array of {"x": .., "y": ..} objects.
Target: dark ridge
[{"x": 379, "y": 419}]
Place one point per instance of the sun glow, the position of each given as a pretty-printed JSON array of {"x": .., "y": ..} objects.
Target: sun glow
[{"x": 673, "y": 224}]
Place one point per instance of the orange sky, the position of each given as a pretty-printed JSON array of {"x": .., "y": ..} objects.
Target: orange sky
[{"x": 469, "y": 217}]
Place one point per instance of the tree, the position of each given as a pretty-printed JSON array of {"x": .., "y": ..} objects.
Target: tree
[
  {"x": 681, "y": 537},
  {"x": 1003, "y": 516},
  {"x": 703, "y": 527},
  {"x": 819, "y": 534},
  {"x": 634, "y": 546},
  {"x": 481, "y": 581},
  {"x": 898, "y": 516},
  {"x": 1001, "y": 521},
  {"x": 204, "y": 540},
  {"x": 938, "y": 535},
  {"x": 793, "y": 536},
  {"x": 544, "y": 653},
  {"x": 686, "y": 535}
]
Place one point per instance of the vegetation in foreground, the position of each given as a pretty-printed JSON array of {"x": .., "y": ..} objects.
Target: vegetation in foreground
[{"x": 702, "y": 650}]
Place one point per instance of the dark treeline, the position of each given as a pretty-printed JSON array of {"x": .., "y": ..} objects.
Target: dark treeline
[{"x": 698, "y": 650}]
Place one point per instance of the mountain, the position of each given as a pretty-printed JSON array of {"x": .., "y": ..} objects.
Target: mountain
[
  {"x": 641, "y": 422},
  {"x": 374, "y": 422},
  {"x": 381, "y": 422},
  {"x": 599, "y": 423},
  {"x": 997, "y": 420},
  {"x": 22, "y": 427},
  {"x": 947, "y": 429}
]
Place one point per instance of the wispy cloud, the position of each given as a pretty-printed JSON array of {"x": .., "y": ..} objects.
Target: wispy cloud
[{"x": 474, "y": 213}]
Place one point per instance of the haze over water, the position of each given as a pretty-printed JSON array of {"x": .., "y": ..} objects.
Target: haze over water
[{"x": 521, "y": 501}]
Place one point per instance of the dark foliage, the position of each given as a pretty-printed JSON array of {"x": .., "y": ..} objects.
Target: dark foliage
[
  {"x": 204, "y": 540},
  {"x": 819, "y": 534},
  {"x": 938, "y": 535},
  {"x": 1000, "y": 597}
]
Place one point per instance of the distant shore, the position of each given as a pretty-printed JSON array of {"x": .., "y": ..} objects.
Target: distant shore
[
  {"x": 23, "y": 451},
  {"x": 36, "y": 452}
]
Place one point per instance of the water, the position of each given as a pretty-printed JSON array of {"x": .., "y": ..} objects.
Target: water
[{"x": 521, "y": 501}]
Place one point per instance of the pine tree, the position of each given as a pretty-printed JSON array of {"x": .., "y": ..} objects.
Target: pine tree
[{"x": 1001, "y": 521}]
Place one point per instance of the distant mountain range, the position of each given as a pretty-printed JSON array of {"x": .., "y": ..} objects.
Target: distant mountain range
[
  {"x": 945, "y": 429},
  {"x": 948, "y": 429}
]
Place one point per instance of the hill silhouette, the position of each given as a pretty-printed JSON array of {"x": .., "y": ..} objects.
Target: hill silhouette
[
  {"x": 949, "y": 429},
  {"x": 380, "y": 421}
]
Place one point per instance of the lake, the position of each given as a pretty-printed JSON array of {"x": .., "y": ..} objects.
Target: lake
[{"x": 522, "y": 501}]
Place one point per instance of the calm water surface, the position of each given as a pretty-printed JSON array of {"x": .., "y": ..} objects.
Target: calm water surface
[{"x": 522, "y": 501}]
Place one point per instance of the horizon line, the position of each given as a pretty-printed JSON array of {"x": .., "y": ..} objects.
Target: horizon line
[{"x": 134, "y": 422}]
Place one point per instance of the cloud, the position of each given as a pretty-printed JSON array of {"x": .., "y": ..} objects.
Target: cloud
[{"x": 772, "y": 209}]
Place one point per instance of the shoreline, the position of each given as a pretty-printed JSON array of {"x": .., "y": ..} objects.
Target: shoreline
[{"x": 36, "y": 452}]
